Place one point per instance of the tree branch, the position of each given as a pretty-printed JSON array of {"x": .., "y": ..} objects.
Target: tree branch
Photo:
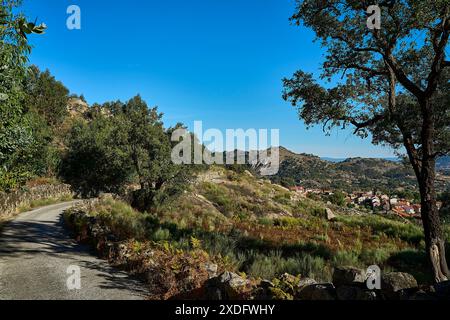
[
  {"x": 360, "y": 125},
  {"x": 373, "y": 72},
  {"x": 394, "y": 65},
  {"x": 438, "y": 61},
  {"x": 402, "y": 77}
]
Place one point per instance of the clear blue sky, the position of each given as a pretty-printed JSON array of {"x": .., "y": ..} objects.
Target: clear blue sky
[{"x": 219, "y": 61}]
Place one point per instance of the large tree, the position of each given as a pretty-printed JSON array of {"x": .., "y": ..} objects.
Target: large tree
[
  {"x": 124, "y": 143},
  {"x": 16, "y": 137},
  {"x": 390, "y": 83}
]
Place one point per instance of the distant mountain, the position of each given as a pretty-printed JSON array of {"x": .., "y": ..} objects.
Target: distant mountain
[
  {"x": 347, "y": 174},
  {"x": 337, "y": 160},
  {"x": 351, "y": 174},
  {"x": 334, "y": 160},
  {"x": 442, "y": 164}
]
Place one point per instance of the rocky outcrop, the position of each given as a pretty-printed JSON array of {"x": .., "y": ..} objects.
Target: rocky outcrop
[
  {"x": 11, "y": 201},
  {"x": 355, "y": 292},
  {"x": 398, "y": 285},
  {"x": 324, "y": 291},
  {"x": 349, "y": 283},
  {"x": 226, "y": 286},
  {"x": 76, "y": 107},
  {"x": 343, "y": 276},
  {"x": 306, "y": 282}
]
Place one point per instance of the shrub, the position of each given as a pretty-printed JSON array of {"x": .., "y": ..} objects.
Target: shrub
[
  {"x": 273, "y": 264},
  {"x": 221, "y": 197},
  {"x": 266, "y": 221},
  {"x": 283, "y": 198},
  {"x": 161, "y": 235},
  {"x": 374, "y": 256},
  {"x": 345, "y": 258},
  {"x": 380, "y": 225}
]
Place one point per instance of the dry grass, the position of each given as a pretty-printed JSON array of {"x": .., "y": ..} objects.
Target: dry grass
[
  {"x": 252, "y": 226},
  {"x": 43, "y": 202}
]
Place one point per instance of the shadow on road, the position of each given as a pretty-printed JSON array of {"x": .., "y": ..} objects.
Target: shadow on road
[{"x": 24, "y": 240}]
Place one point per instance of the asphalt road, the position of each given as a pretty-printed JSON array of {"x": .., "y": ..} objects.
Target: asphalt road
[{"x": 36, "y": 254}]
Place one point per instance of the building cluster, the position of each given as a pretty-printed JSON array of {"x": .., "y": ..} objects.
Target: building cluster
[{"x": 373, "y": 200}]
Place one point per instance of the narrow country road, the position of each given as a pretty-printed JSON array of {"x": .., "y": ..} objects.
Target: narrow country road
[{"x": 36, "y": 252}]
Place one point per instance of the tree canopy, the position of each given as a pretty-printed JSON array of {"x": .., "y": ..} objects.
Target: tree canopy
[
  {"x": 124, "y": 144},
  {"x": 16, "y": 137}
]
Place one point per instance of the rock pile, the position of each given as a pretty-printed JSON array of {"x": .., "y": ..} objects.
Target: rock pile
[{"x": 349, "y": 283}]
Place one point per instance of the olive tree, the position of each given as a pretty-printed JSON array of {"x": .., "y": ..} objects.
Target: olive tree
[{"x": 391, "y": 84}]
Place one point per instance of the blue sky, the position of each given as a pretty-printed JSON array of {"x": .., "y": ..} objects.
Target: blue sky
[{"x": 218, "y": 61}]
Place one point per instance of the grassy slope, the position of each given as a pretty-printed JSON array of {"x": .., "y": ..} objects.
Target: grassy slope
[
  {"x": 271, "y": 230},
  {"x": 263, "y": 230}
]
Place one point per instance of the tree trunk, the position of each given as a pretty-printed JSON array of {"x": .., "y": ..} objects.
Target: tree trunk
[{"x": 434, "y": 240}]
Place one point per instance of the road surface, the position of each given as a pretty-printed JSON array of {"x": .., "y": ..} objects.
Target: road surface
[{"x": 36, "y": 254}]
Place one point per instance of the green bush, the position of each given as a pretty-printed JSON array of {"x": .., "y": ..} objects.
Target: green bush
[
  {"x": 220, "y": 196},
  {"x": 379, "y": 225},
  {"x": 283, "y": 198},
  {"x": 375, "y": 256},
  {"x": 161, "y": 235},
  {"x": 266, "y": 221},
  {"x": 273, "y": 264},
  {"x": 123, "y": 221},
  {"x": 345, "y": 258}
]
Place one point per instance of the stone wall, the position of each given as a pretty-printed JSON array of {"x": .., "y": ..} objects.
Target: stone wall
[{"x": 11, "y": 201}]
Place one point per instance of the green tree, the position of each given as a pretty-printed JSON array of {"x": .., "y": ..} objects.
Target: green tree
[
  {"x": 124, "y": 143},
  {"x": 394, "y": 85},
  {"x": 16, "y": 137},
  {"x": 94, "y": 161},
  {"x": 46, "y": 96},
  {"x": 337, "y": 198},
  {"x": 149, "y": 147}
]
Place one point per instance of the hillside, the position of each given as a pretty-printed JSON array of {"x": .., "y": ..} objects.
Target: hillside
[
  {"x": 231, "y": 221},
  {"x": 353, "y": 174},
  {"x": 254, "y": 223}
]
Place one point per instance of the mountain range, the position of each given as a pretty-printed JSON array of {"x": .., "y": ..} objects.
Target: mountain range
[{"x": 352, "y": 174}]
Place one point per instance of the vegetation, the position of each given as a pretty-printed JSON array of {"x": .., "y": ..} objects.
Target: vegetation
[
  {"x": 123, "y": 143},
  {"x": 263, "y": 243},
  {"x": 43, "y": 202},
  {"x": 17, "y": 144},
  {"x": 226, "y": 214},
  {"x": 351, "y": 175}
]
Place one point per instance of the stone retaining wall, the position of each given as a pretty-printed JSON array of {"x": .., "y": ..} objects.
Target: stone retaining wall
[{"x": 11, "y": 201}]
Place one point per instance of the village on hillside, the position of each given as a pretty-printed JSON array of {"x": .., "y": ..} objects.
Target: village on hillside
[{"x": 376, "y": 201}]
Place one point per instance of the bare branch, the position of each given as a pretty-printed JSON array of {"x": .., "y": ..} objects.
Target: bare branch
[{"x": 361, "y": 125}]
